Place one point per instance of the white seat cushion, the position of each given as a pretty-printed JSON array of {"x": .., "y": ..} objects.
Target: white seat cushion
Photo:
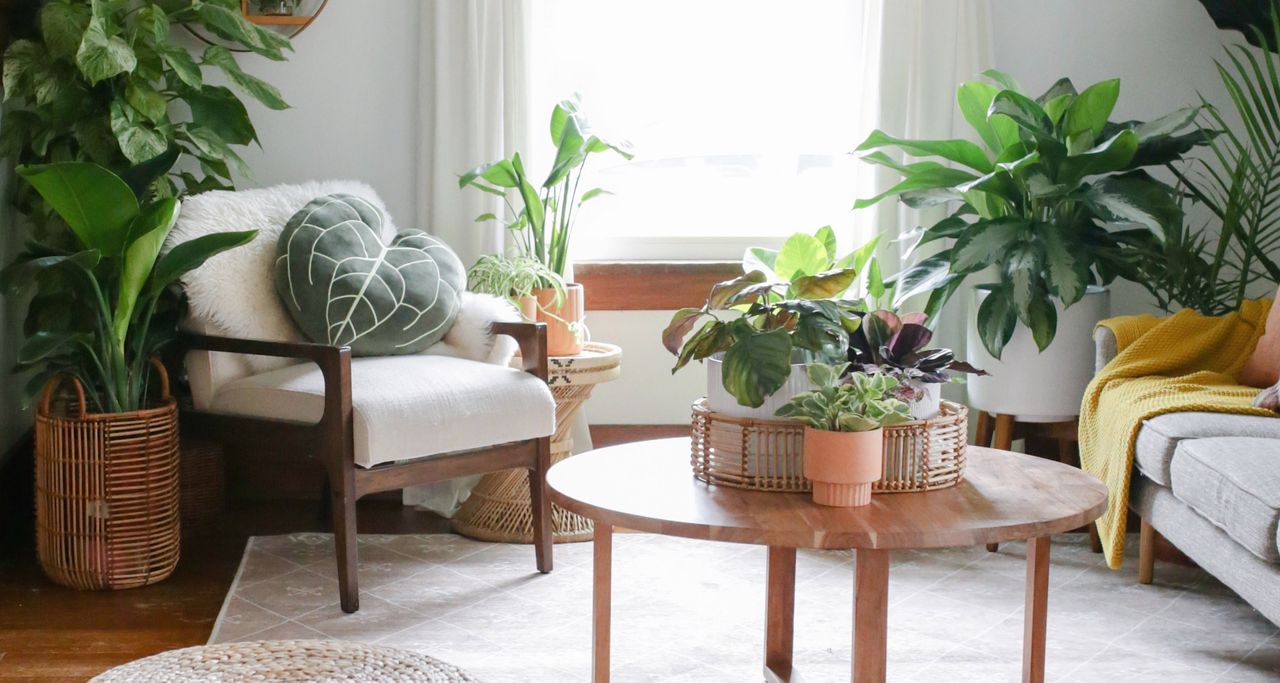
[{"x": 406, "y": 407}]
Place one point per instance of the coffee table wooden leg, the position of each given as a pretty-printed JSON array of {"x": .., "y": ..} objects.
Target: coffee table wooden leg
[
  {"x": 870, "y": 615},
  {"x": 601, "y": 598},
  {"x": 1036, "y": 614},
  {"x": 780, "y": 599}
]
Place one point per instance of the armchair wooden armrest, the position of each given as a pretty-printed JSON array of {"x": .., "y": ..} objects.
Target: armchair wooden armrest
[
  {"x": 334, "y": 362},
  {"x": 532, "y": 338}
]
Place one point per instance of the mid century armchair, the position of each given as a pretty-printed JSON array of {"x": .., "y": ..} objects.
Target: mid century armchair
[{"x": 375, "y": 423}]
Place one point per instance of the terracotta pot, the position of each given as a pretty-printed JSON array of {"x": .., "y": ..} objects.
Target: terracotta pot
[
  {"x": 528, "y": 306},
  {"x": 843, "y": 465},
  {"x": 564, "y": 322}
]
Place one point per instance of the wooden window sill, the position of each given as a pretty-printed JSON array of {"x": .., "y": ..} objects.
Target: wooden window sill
[{"x": 650, "y": 285}]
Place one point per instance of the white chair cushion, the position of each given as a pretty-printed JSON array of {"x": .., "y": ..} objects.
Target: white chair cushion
[{"x": 406, "y": 407}]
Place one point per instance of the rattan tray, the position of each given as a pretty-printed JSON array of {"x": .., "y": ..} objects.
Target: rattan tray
[{"x": 922, "y": 455}]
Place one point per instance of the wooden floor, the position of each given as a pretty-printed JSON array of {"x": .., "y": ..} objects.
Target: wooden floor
[{"x": 50, "y": 633}]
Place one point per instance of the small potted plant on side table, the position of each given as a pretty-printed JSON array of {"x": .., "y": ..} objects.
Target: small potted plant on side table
[{"x": 843, "y": 436}]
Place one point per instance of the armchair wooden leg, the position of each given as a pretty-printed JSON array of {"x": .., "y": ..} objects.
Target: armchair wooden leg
[
  {"x": 1146, "y": 553},
  {"x": 343, "y": 505},
  {"x": 541, "y": 506}
]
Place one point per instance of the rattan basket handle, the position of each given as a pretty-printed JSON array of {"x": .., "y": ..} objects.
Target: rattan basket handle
[
  {"x": 59, "y": 378},
  {"x": 53, "y": 383}
]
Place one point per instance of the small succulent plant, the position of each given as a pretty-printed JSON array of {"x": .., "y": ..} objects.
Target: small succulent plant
[{"x": 859, "y": 402}]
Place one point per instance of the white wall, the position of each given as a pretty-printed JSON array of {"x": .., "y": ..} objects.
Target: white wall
[{"x": 353, "y": 83}]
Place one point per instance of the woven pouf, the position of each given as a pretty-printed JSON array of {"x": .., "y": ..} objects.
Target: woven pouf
[{"x": 287, "y": 660}]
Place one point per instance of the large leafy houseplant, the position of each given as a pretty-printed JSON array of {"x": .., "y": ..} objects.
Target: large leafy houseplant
[
  {"x": 543, "y": 216},
  {"x": 100, "y": 300},
  {"x": 98, "y": 82},
  {"x": 1053, "y": 199},
  {"x": 788, "y": 300}
]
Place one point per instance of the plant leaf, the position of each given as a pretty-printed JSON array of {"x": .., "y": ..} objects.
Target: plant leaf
[
  {"x": 984, "y": 242},
  {"x": 95, "y": 203},
  {"x": 925, "y": 179},
  {"x": 996, "y": 321},
  {"x": 757, "y": 364},
  {"x": 681, "y": 324},
  {"x": 1090, "y": 110},
  {"x": 828, "y": 284},
  {"x": 723, "y": 292},
  {"x": 801, "y": 255},
  {"x": 1136, "y": 200},
  {"x": 257, "y": 88},
  {"x": 959, "y": 151},
  {"x": 102, "y": 56},
  {"x": 192, "y": 254}
]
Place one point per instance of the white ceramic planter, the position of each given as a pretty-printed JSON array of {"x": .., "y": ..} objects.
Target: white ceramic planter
[
  {"x": 927, "y": 406},
  {"x": 721, "y": 401},
  {"x": 1035, "y": 386}
]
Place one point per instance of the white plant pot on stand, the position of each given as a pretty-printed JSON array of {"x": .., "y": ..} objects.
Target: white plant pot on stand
[{"x": 1038, "y": 386}]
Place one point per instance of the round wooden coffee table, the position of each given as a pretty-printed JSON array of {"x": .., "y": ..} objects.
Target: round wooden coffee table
[{"x": 649, "y": 486}]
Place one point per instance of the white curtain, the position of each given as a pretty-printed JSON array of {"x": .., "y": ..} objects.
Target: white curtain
[
  {"x": 473, "y": 97},
  {"x": 916, "y": 53}
]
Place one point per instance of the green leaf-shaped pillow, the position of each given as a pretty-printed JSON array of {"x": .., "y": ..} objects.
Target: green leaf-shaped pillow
[{"x": 345, "y": 286}]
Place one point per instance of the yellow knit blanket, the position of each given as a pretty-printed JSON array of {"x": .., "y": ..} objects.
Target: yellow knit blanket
[{"x": 1186, "y": 362}]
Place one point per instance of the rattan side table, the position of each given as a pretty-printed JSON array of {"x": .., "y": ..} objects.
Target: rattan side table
[{"x": 498, "y": 509}]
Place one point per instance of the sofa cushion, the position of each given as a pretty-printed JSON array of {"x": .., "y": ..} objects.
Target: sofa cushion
[
  {"x": 407, "y": 407},
  {"x": 1160, "y": 436},
  {"x": 1233, "y": 482}
]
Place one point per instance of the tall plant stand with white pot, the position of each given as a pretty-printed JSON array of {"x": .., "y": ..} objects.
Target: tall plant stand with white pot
[
  {"x": 1001, "y": 430},
  {"x": 498, "y": 509}
]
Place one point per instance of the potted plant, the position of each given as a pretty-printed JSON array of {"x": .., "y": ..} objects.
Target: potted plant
[
  {"x": 107, "y": 500},
  {"x": 1047, "y": 205},
  {"x": 516, "y": 278},
  {"x": 758, "y": 330},
  {"x": 843, "y": 435},
  {"x": 543, "y": 217},
  {"x": 895, "y": 345}
]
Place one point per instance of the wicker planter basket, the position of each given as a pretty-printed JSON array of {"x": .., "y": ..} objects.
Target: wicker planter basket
[
  {"x": 767, "y": 454},
  {"x": 106, "y": 492}
]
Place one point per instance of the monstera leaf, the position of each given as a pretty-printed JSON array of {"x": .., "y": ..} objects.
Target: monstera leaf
[{"x": 345, "y": 286}]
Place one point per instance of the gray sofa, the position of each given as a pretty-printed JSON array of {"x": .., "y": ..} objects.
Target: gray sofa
[{"x": 1210, "y": 484}]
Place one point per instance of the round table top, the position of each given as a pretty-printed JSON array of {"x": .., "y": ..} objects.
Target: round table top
[{"x": 1004, "y": 496}]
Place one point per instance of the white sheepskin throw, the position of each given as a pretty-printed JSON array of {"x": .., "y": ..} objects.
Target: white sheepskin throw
[
  {"x": 470, "y": 336},
  {"x": 233, "y": 293}
]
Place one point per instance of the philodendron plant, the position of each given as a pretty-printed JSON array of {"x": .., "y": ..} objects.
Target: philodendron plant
[
  {"x": 1050, "y": 199},
  {"x": 787, "y": 300},
  {"x": 858, "y": 402},
  {"x": 97, "y": 304}
]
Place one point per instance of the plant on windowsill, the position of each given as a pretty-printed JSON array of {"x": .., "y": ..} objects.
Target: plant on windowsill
[
  {"x": 759, "y": 329},
  {"x": 543, "y": 222},
  {"x": 1052, "y": 203},
  {"x": 844, "y": 420},
  {"x": 108, "y": 463}
]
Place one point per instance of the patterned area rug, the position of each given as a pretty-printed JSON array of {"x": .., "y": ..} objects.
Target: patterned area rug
[{"x": 689, "y": 611}]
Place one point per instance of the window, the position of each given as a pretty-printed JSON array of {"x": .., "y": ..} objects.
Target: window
[{"x": 741, "y": 113}]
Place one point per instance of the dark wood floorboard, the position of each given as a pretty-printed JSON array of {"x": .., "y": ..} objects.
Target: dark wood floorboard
[{"x": 51, "y": 633}]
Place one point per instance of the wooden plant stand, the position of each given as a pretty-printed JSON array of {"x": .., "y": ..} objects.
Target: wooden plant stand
[
  {"x": 498, "y": 509},
  {"x": 999, "y": 431}
]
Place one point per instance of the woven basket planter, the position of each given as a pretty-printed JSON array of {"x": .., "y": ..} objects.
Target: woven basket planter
[
  {"x": 766, "y": 455},
  {"x": 106, "y": 492}
]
